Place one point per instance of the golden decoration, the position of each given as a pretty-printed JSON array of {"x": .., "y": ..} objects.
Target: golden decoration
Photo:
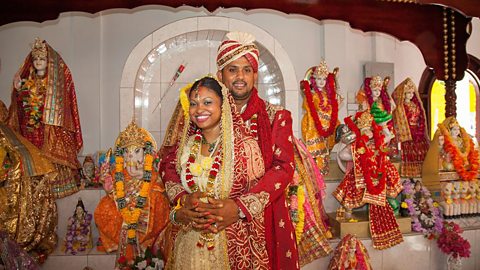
[
  {"x": 376, "y": 82},
  {"x": 133, "y": 135},
  {"x": 39, "y": 49},
  {"x": 322, "y": 70},
  {"x": 364, "y": 121}
]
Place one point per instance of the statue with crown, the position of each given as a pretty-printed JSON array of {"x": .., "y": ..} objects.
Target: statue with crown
[
  {"x": 373, "y": 180},
  {"x": 321, "y": 102},
  {"x": 44, "y": 110},
  {"x": 134, "y": 212},
  {"x": 451, "y": 166}
]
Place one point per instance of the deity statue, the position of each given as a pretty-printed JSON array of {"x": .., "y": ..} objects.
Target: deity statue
[
  {"x": 321, "y": 102},
  {"x": 452, "y": 156},
  {"x": 372, "y": 179},
  {"x": 134, "y": 211},
  {"x": 350, "y": 254},
  {"x": 28, "y": 213},
  {"x": 411, "y": 128},
  {"x": 88, "y": 171},
  {"x": 79, "y": 232},
  {"x": 44, "y": 111},
  {"x": 374, "y": 97}
]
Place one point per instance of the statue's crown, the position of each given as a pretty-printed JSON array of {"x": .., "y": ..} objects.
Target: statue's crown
[
  {"x": 364, "y": 121},
  {"x": 39, "y": 49},
  {"x": 321, "y": 70},
  {"x": 134, "y": 135},
  {"x": 376, "y": 82}
]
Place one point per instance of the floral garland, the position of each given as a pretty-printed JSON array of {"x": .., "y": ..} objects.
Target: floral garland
[
  {"x": 331, "y": 95},
  {"x": 130, "y": 217},
  {"x": 76, "y": 229},
  {"x": 459, "y": 159},
  {"x": 195, "y": 169},
  {"x": 296, "y": 196},
  {"x": 433, "y": 207},
  {"x": 367, "y": 159},
  {"x": 33, "y": 102}
]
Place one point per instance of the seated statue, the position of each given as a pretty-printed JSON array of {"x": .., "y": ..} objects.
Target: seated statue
[
  {"x": 134, "y": 211},
  {"x": 79, "y": 232},
  {"x": 321, "y": 103},
  {"x": 44, "y": 111},
  {"x": 452, "y": 156},
  {"x": 28, "y": 212}
]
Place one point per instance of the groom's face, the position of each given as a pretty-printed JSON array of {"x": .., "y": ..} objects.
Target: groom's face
[{"x": 239, "y": 77}]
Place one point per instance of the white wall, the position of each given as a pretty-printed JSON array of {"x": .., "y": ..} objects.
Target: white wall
[{"x": 96, "y": 47}]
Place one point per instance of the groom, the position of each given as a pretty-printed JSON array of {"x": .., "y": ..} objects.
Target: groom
[{"x": 237, "y": 62}]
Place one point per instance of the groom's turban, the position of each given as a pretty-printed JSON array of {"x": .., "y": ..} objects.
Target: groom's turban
[{"x": 236, "y": 45}]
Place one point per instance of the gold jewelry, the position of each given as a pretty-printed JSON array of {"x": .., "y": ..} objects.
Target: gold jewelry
[
  {"x": 321, "y": 70},
  {"x": 39, "y": 49},
  {"x": 133, "y": 135},
  {"x": 364, "y": 121},
  {"x": 376, "y": 82}
]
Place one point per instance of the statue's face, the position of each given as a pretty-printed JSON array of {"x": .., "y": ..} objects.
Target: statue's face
[
  {"x": 40, "y": 63},
  {"x": 455, "y": 131},
  {"x": 376, "y": 92},
  {"x": 79, "y": 211},
  {"x": 408, "y": 95},
  {"x": 134, "y": 161},
  {"x": 321, "y": 81},
  {"x": 89, "y": 168}
]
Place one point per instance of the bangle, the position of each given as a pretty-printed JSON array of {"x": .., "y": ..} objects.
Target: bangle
[{"x": 172, "y": 216}]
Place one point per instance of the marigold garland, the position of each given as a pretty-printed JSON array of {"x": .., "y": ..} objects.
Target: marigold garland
[
  {"x": 331, "y": 96},
  {"x": 131, "y": 217},
  {"x": 368, "y": 159},
  {"x": 461, "y": 160}
]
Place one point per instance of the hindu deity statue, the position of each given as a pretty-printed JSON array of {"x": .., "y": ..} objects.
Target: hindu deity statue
[
  {"x": 28, "y": 212},
  {"x": 134, "y": 211},
  {"x": 452, "y": 155},
  {"x": 372, "y": 180},
  {"x": 374, "y": 97},
  {"x": 350, "y": 254},
  {"x": 44, "y": 111},
  {"x": 411, "y": 128},
  {"x": 321, "y": 102},
  {"x": 79, "y": 232}
]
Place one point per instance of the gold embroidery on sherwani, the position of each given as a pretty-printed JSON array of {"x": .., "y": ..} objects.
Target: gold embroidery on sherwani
[
  {"x": 173, "y": 189},
  {"x": 256, "y": 203}
]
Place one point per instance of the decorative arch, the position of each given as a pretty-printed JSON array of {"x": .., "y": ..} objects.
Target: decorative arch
[{"x": 143, "y": 83}]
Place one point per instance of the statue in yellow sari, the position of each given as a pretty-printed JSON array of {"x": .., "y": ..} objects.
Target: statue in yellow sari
[
  {"x": 134, "y": 211},
  {"x": 28, "y": 213},
  {"x": 320, "y": 120}
]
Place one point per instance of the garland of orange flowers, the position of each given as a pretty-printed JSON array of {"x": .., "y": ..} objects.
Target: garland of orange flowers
[
  {"x": 459, "y": 159},
  {"x": 367, "y": 159},
  {"x": 130, "y": 217}
]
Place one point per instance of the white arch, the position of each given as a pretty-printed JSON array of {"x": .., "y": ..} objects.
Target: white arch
[{"x": 145, "y": 46}]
